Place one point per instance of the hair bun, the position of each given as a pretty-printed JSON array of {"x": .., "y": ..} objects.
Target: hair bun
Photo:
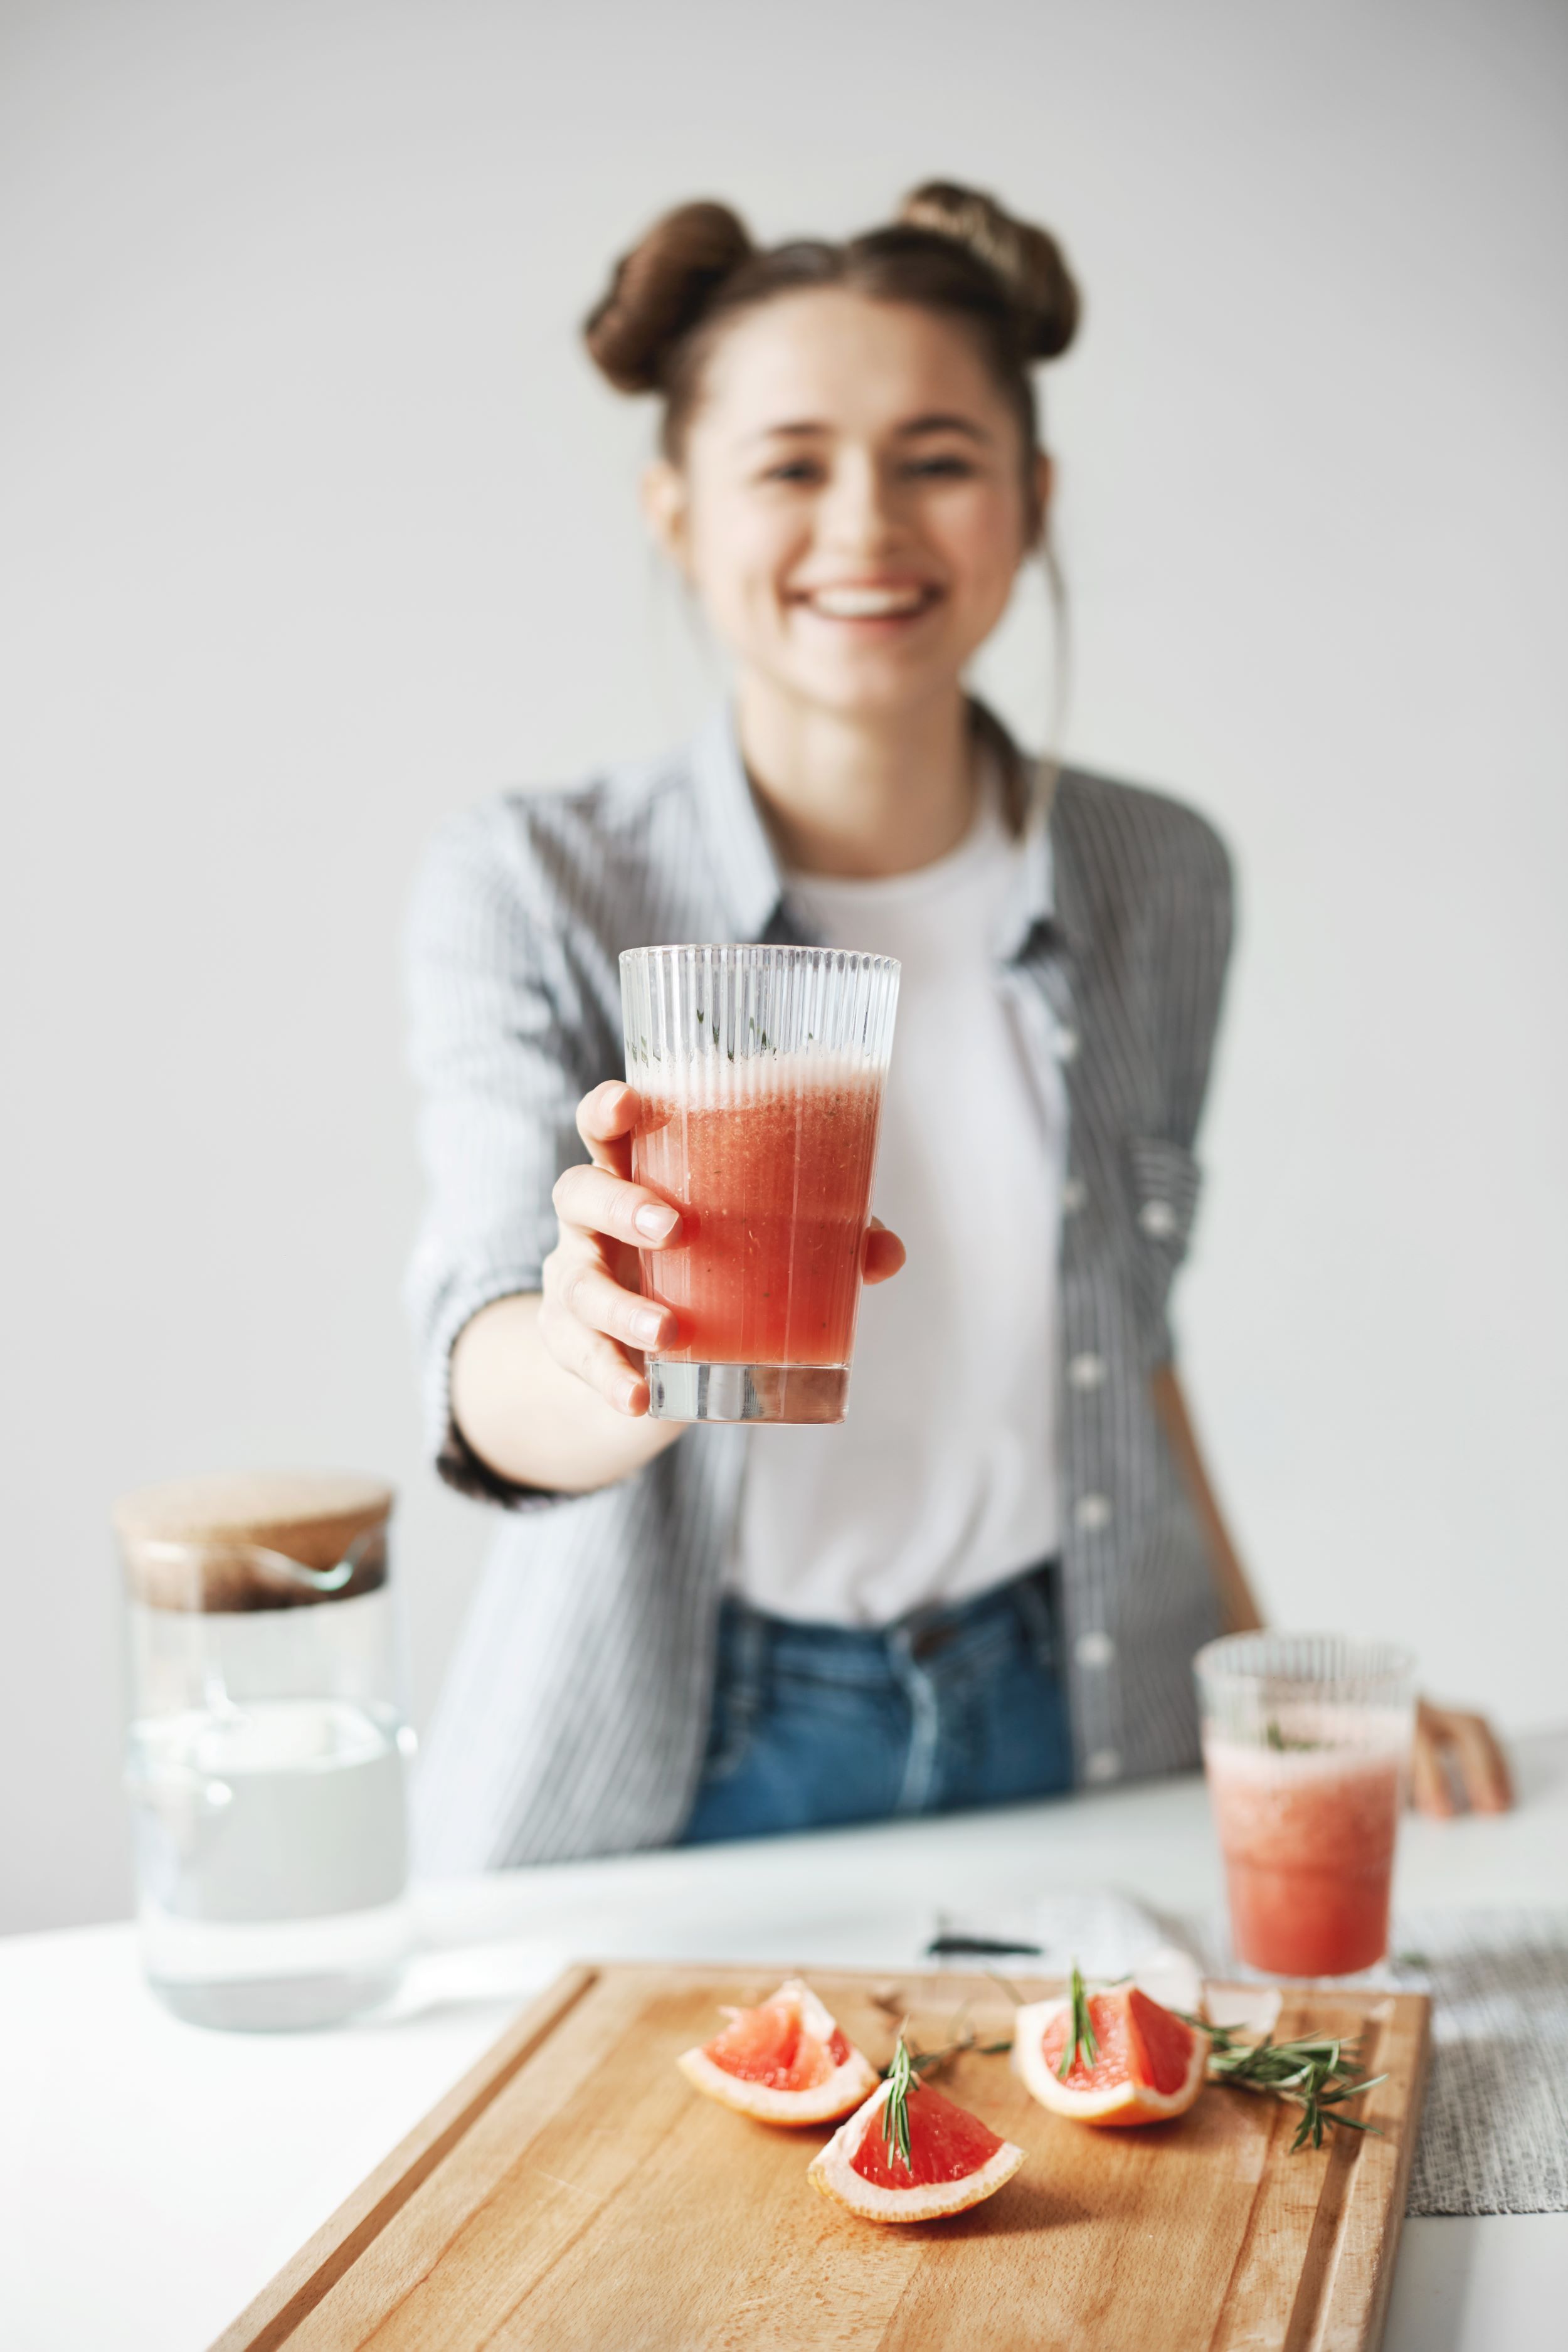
[
  {"x": 659, "y": 290},
  {"x": 1027, "y": 260}
]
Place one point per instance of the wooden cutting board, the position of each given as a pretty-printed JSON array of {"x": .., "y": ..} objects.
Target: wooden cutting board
[{"x": 573, "y": 2193}]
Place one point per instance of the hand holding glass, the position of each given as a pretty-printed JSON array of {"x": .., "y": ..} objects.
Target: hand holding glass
[{"x": 761, "y": 1073}]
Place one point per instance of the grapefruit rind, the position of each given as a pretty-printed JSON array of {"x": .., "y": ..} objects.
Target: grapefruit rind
[
  {"x": 821, "y": 2103},
  {"x": 832, "y": 2174},
  {"x": 1126, "y": 2101}
]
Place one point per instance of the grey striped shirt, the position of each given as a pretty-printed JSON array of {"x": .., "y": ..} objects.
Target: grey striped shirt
[{"x": 574, "y": 1715}]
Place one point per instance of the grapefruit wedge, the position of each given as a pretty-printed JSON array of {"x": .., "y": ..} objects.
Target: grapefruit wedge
[
  {"x": 1146, "y": 2065},
  {"x": 954, "y": 2161},
  {"x": 784, "y": 2061}
]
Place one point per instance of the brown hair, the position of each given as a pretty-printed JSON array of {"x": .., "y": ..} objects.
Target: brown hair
[{"x": 951, "y": 251}]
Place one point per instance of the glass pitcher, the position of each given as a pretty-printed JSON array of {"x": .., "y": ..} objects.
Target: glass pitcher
[{"x": 268, "y": 1752}]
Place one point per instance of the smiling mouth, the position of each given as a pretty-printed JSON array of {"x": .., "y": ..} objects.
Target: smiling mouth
[{"x": 862, "y": 600}]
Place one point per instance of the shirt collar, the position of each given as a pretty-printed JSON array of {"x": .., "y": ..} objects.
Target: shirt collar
[
  {"x": 735, "y": 836},
  {"x": 1033, "y": 900}
]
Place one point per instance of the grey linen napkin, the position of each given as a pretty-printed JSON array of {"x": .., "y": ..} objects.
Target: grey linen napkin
[
  {"x": 1494, "y": 2129},
  {"x": 1494, "y": 2133}
]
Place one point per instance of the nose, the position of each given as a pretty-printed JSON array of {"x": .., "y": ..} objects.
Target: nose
[{"x": 857, "y": 517}]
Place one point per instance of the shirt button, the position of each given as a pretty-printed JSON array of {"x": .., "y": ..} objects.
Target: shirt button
[
  {"x": 1105, "y": 1764},
  {"x": 1094, "y": 1649},
  {"x": 1065, "y": 1045},
  {"x": 1092, "y": 1512},
  {"x": 1085, "y": 1371},
  {"x": 1158, "y": 1220},
  {"x": 1075, "y": 1192}
]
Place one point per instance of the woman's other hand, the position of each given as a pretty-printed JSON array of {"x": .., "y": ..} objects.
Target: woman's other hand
[
  {"x": 884, "y": 1252},
  {"x": 1458, "y": 1766}
]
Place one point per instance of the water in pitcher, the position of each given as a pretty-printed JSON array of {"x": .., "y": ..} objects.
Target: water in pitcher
[{"x": 272, "y": 1857}]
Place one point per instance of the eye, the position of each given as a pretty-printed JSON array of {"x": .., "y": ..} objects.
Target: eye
[
  {"x": 949, "y": 468},
  {"x": 793, "y": 470}
]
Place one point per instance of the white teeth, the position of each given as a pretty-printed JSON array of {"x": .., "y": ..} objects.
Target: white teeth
[{"x": 867, "y": 604}]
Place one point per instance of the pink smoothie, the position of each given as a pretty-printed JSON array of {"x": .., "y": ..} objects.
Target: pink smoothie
[
  {"x": 771, "y": 1168},
  {"x": 1307, "y": 1837}
]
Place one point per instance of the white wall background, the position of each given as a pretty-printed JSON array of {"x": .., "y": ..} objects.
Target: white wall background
[{"x": 317, "y": 525}]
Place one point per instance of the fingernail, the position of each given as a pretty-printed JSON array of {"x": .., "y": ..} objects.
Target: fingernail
[
  {"x": 628, "y": 1396},
  {"x": 656, "y": 1221},
  {"x": 647, "y": 1326}
]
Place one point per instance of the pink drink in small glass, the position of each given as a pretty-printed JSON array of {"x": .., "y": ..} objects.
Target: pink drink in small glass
[
  {"x": 1308, "y": 1839},
  {"x": 1306, "y": 1739}
]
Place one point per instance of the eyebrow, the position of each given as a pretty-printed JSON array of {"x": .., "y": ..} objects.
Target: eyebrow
[
  {"x": 941, "y": 422},
  {"x": 806, "y": 427}
]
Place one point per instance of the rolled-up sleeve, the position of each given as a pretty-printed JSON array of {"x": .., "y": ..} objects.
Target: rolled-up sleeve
[{"x": 499, "y": 1046}]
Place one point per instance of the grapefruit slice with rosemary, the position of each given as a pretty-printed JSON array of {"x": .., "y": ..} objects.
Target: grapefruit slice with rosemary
[
  {"x": 784, "y": 2061},
  {"x": 910, "y": 2155},
  {"x": 1130, "y": 2061}
]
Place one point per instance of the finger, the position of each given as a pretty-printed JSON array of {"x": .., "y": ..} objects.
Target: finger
[
  {"x": 597, "y": 1300},
  {"x": 884, "y": 1252},
  {"x": 602, "y": 1202},
  {"x": 1483, "y": 1767},
  {"x": 606, "y": 1118},
  {"x": 1429, "y": 1780},
  {"x": 597, "y": 1361}
]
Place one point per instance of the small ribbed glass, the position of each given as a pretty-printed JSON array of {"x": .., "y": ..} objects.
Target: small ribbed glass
[
  {"x": 761, "y": 1071},
  {"x": 1307, "y": 1743}
]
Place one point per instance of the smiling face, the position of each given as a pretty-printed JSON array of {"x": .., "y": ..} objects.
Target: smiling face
[{"x": 854, "y": 500}]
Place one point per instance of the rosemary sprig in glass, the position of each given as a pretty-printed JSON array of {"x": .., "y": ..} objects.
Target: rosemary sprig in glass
[
  {"x": 1316, "y": 2073},
  {"x": 1081, "y": 2030},
  {"x": 1283, "y": 1745}
]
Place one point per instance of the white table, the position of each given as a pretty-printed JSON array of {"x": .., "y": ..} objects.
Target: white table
[{"x": 153, "y": 2175}]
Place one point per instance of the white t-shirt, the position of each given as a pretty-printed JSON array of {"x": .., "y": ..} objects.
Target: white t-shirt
[{"x": 943, "y": 1480}]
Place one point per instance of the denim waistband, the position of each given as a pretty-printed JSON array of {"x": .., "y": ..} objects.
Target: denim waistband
[{"x": 871, "y": 1656}]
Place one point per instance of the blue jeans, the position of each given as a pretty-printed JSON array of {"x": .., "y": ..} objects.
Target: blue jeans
[{"x": 815, "y": 1724}]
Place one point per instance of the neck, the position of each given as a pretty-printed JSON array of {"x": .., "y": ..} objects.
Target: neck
[{"x": 858, "y": 797}]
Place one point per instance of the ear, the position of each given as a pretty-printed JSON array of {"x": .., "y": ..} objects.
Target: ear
[
  {"x": 1042, "y": 483},
  {"x": 664, "y": 506}
]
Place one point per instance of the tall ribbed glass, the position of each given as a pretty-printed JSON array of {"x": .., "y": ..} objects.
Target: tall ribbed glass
[
  {"x": 761, "y": 1071},
  {"x": 1306, "y": 1743}
]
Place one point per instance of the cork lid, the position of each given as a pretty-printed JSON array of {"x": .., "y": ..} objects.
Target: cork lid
[{"x": 255, "y": 1539}]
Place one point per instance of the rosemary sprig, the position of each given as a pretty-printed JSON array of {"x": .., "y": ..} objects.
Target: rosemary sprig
[
  {"x": 926, "y": 2061},
  {"x": 1283, "y": 1745},
  {"x": 1080, "y": 2032},
  {"x": 1316, "y": 2073},
  {"x": 901, "y": 2079},
  {"x": 1319, "y": 2073},
  {"x": 908, "y": 2069}
]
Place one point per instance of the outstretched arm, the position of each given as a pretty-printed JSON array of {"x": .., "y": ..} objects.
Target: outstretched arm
[{"x": 549, "y": 1389}]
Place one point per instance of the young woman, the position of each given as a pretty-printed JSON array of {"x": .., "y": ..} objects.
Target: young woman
[{"x": 990, "y": 1581}]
